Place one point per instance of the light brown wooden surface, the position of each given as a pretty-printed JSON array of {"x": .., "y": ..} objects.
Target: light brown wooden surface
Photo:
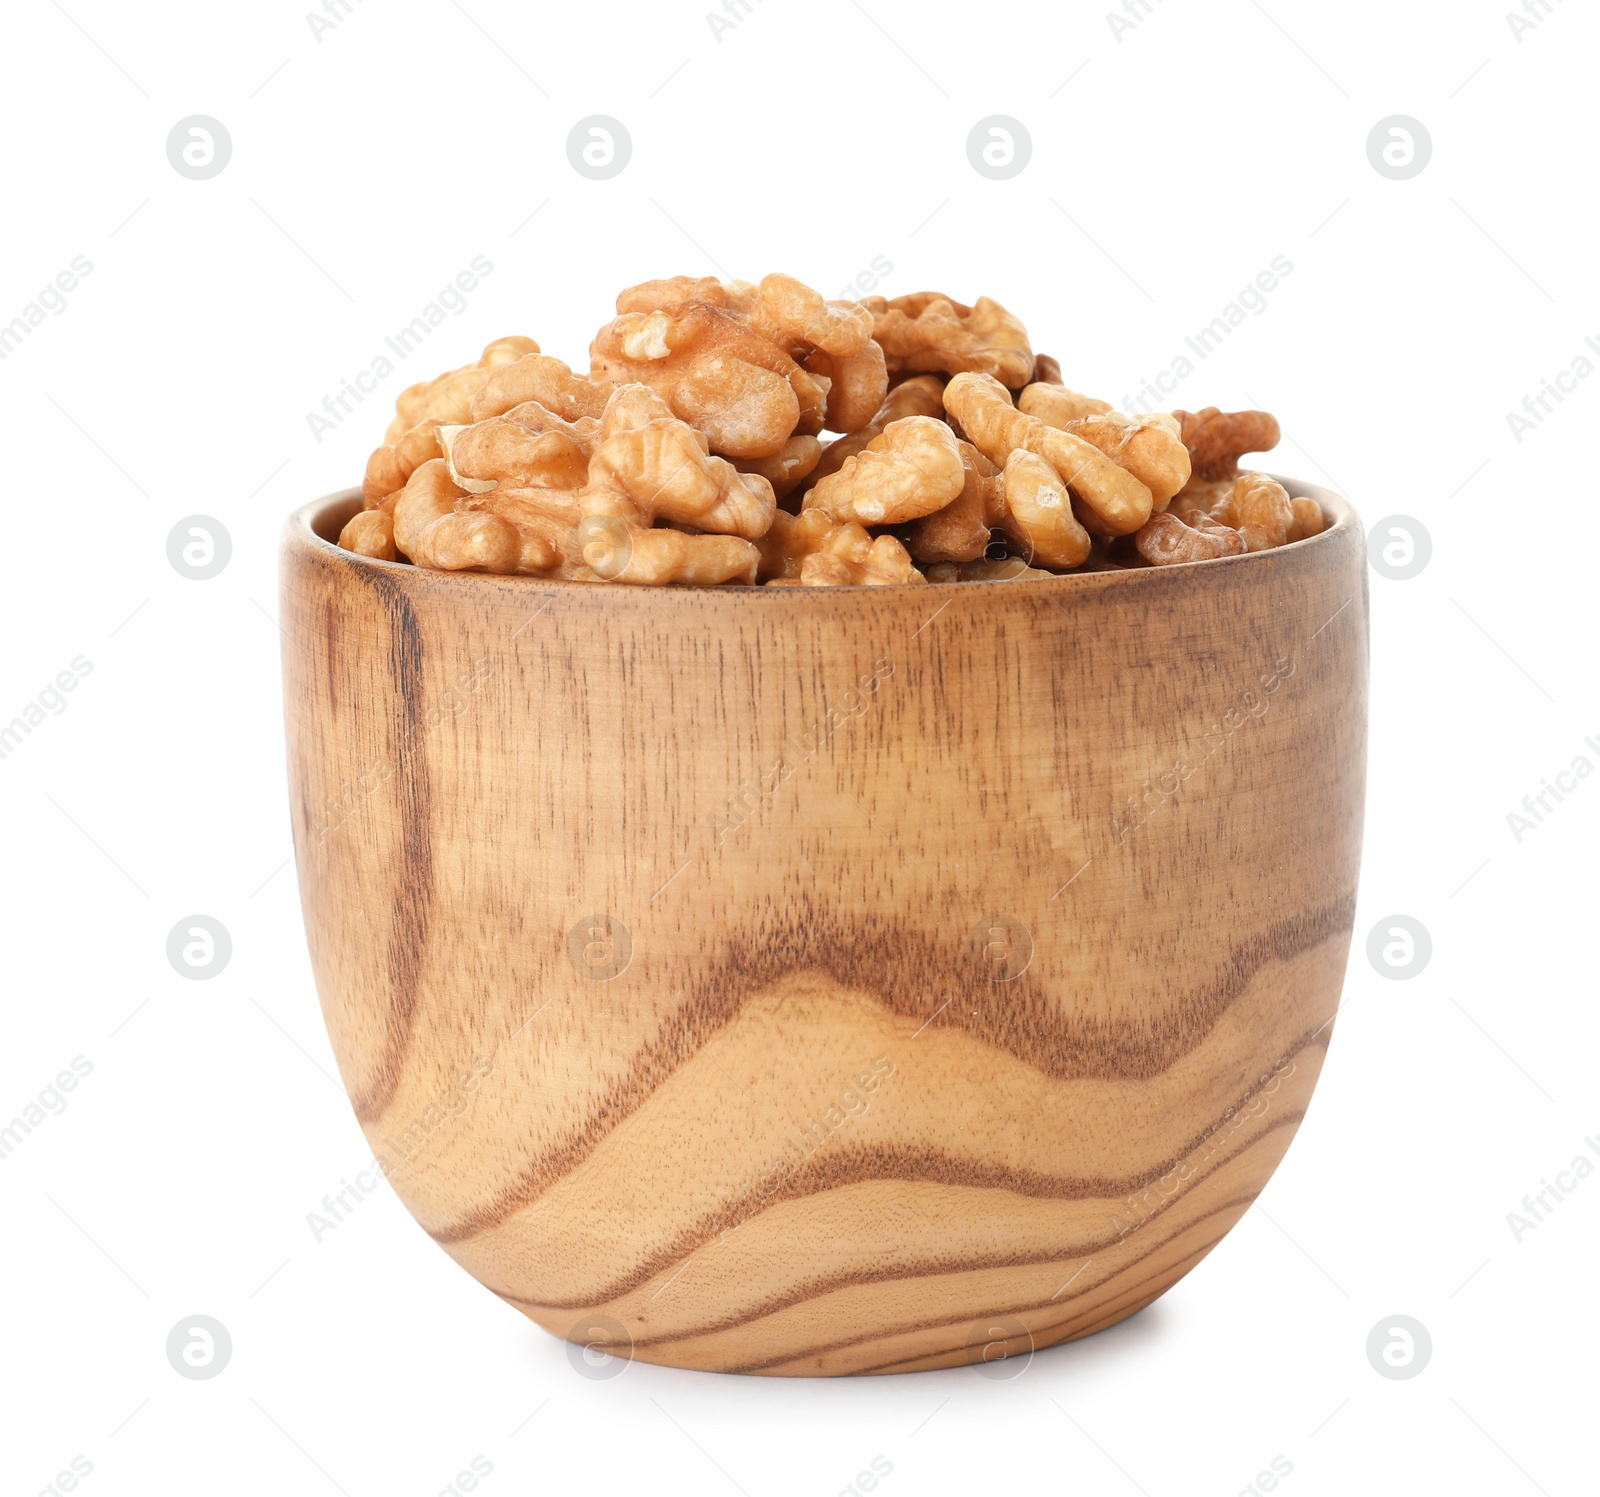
[{"x": 686, "y": 1156}]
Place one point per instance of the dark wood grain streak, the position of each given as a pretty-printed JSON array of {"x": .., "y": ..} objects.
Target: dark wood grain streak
[
  {"x": 966, "y": 1318},
  {"x": 926, "y": 1166},
  {"x": 1100, "y": 1316},
  {"x": 819, "y": 1286},
  {"x": 413, "y": 878},
  {"x": 1027, "y": 1031}
]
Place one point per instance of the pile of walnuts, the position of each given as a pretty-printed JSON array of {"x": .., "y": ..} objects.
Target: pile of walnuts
[{"x": 691, "y": 452}]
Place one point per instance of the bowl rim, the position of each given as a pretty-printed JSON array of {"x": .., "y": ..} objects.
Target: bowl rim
[{"x": 300, "y": 526}]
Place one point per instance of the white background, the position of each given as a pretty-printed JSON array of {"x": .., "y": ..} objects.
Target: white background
[{"x": 1168, "y": 168}]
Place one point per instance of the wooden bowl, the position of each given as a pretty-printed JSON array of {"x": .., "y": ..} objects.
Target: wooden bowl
[{"x": 812, "y": 981}]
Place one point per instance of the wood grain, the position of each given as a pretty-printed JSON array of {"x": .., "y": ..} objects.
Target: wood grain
[{"x": 806, "y": 1129}]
